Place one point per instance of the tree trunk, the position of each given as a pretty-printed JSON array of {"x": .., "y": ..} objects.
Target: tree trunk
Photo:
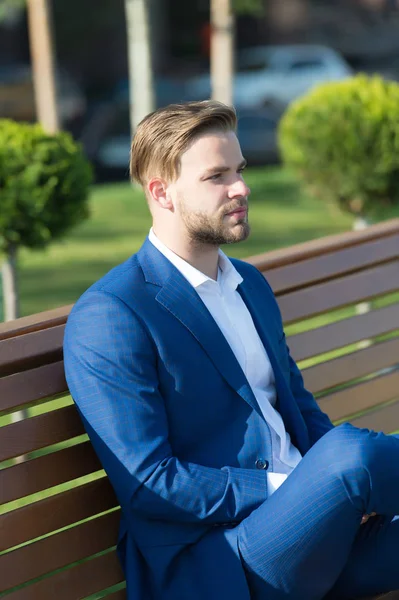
[
  {"x": 222, "y": 51},
  {"x": 141, "y": 84},
  {"x": 10, "y": 287},
  {"x": 362, "y": 308},
  {"x": 42, "y": 53}
]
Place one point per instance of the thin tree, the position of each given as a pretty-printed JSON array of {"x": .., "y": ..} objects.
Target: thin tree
[
  {"x": 222, "y": 50},
  {"x": 41, "y": 41},
  {"x": 223, "y": 42},
  {"x": 141, "y": 80}
]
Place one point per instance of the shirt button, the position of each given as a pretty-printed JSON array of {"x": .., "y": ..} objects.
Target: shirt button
[{"x": 261, "y": 463}]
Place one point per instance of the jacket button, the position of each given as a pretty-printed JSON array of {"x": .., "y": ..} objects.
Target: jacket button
[{"x": 261, "y": 463}]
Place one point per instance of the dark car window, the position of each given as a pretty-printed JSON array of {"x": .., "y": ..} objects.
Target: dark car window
[
  {"x": 299, "y": 65},
  {"x": 254, "y": 64}
]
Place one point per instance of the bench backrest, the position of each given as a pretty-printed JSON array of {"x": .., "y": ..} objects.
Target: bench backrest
[{"x": 58, "y": 512}]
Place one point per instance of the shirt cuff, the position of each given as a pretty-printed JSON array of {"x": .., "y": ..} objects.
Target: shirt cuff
[{"x": 274, "y": 480}]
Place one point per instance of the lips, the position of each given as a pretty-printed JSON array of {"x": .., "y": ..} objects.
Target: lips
[{"x": 238, "y": 211}]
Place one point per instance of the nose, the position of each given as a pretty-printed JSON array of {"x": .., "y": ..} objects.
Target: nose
[{"x": 239, "y": 189}]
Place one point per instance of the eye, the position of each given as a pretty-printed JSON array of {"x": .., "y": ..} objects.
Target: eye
[
  {"x": 241, "y": 170},
  {"x": 215, "y": 177}
]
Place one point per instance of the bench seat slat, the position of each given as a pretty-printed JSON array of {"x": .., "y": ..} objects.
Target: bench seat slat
[
  {"x": 36, "y": 322},
  {"x": 60, "y": 550},
  {"x": 329, "y": 266},
  {"x": 352, "y": 366},
  {"x": 33, "y": 349},
  {"x": 325, "y": 245},
  {"x": 28, "y": 386},
  {"x": 38, "y": 432},
  {"x": 345, "y": 332},
  {"x": 50, "y": 514},
  {"x": 330, "y": 295},
  {"x": 47, "y": 471},
  {"x": 362, "y": 396},
  {"x": 385, "y": 419},
  {"x": 80, "y": 581}
]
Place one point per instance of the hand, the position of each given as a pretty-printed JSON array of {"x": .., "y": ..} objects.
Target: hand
[{"x": 365, "y": 518}]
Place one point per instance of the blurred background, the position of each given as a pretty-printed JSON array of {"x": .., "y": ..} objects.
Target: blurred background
[
  {"x": 281, "y": 50},
  {"x": 95, "y": 68}
]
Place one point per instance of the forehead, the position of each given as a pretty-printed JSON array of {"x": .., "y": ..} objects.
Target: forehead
[{"x": 212, "y": 149}]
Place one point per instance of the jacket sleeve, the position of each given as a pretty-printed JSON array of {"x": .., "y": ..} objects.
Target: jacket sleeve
[{"x": 111, "y": 370}]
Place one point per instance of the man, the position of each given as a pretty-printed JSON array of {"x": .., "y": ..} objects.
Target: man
[{"x": 232, "y": 482}]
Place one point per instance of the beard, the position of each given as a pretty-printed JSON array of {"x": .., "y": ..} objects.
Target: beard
[{"x": 215, "y": 230}]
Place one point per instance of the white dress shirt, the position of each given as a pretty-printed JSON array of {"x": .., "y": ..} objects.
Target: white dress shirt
[{"x": 234, "y": 320}]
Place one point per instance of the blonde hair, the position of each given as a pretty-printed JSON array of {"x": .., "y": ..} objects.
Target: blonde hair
[{"x": 164, "y": 135}]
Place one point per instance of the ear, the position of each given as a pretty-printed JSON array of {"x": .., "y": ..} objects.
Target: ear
[{"x": 158, "y": 191}]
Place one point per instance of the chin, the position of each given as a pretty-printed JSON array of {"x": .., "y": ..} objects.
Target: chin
[{"x": 238, "y": 236}]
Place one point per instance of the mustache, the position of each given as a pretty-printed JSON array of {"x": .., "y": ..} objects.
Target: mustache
[{"x": 243, "y": 204}]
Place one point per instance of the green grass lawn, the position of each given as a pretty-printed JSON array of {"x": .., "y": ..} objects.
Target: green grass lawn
[{"x": 280, "y": 215}]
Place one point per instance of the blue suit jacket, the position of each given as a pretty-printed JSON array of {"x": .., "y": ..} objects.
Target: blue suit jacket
[{"x": 175, "y": 423}]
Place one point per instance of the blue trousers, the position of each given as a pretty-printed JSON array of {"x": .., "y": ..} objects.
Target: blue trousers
[{"x": 306, "y": 542}]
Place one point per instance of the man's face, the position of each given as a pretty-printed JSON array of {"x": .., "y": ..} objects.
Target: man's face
[{"x": 210, "y": 195}]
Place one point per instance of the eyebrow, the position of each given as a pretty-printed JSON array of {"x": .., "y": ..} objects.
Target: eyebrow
[{"x": 222, "y": 169}]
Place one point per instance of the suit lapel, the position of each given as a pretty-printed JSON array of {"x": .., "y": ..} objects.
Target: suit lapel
[
  {"x": 181, "y": 299},
  {"x": 183, "y": 302}
]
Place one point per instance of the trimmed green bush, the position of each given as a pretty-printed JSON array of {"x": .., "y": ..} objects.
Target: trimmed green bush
[
  {"x": 342, "y": 141},
  {"x": 44, "y": 182}
]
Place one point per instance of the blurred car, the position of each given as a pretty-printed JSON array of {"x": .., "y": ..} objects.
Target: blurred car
[
  {"x": 276, "y": 75},
  {"x": 257, "y": 132},
  {"x": 17, "y": 100}
]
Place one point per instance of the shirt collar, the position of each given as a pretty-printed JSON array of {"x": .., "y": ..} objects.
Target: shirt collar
[{"x": 229, "y": 275}]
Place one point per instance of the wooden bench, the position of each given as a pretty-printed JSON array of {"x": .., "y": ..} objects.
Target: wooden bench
[{"x": 58, "y": 542}]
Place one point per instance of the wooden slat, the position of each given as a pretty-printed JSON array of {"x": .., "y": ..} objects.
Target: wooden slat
[
  {"x": 362, "y": 396},
  {"x": 330, "y": 266},
  {"x": 77, "y": 582},
  {"x": 36, "y": 384},
  {"x": 345, "y": 332},
  {"x": 31, "y": 350},
  {"x": 60, "y": 550},
  {"x": 47, "y": 471},
  {"x": 352, "y": 366},
  {"x": 385, "y": 419},
  {"x": 35, "y": 433},
  {"x": 36, "y": 322},
  {"x": 325, "y": 245},
  {"x": 330, "y": 295},
  {"x": 53, "y": 513}
]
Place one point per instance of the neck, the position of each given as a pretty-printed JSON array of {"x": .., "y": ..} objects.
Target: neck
[{"x": 203, "y": 257}]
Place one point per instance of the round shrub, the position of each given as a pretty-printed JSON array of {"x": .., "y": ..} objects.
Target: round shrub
[
  {"x": 342, "y": 141},
  {"x": 44, "y": 182}
]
